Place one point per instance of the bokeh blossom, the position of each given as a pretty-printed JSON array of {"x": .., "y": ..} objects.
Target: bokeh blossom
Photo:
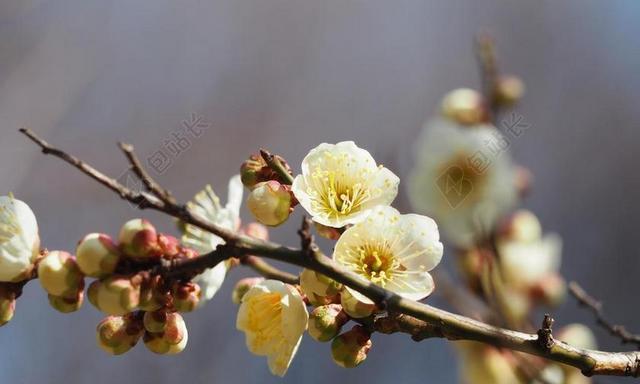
[{"x": 464, "y": 178}]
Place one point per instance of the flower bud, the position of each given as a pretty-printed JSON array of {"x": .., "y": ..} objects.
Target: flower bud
[
  {"x": 326, "y": 321},
  {"x": 509, "y": 90},
  {"x": 138, "y": 239},
  {"x": 97, "y": 255},
  {"x": 168, "y": 246},
  {"x": 251, "y": 170},
  {"x": 327, "y": 232},
  {"x": 116, "y": 295},
  {"x": 350, "y": 349},
  {"x": 270, "y": 203},
  {"x": 353, "y": 307},
  {"x": 318, "y": 284},
  {"x": 7, "y": 305},
  {"x": 464, "y": 106},
  {"x": 118, "y": 334},
  {"x": 256, "y": 230},
  {"x": 186, "y": 296},
  {"x": 521, "y": 226},
  {"x": 174, "y": 338},
  {"x": 59, "y": 274},
  {"x": 155, "y": 321},
  {"x": 242, "y": 286},
  {"x": 67, "y": 304}
]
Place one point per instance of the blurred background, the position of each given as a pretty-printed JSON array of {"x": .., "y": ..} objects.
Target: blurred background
[{"x": 288, "y": 75}]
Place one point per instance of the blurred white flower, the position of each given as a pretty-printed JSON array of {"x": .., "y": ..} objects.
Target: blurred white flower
[
  {"x": 19, "y": 239},
  {"x": 481, "y": 364},
  {"x": 207, "y": 205},
  {"x": 464, "y": 178},
  {"x": 392, "y": 250},
  {"x": 273, "y": 317},
  {"x": 527, "y": 257},
  {"x": 341, "y": 183}
]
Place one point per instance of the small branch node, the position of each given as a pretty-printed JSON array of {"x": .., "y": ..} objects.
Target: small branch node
[{"x": 545, "y": 337}]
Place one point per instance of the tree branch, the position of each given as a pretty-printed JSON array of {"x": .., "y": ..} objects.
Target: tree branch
[
  {"x": 436, "y": 322},
  {"x": 595, "y": 306}
]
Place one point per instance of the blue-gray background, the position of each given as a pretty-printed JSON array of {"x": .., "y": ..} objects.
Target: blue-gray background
[{"x": 287, "y": 75}]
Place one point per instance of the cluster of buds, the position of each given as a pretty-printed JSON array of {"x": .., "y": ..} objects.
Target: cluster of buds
[
  {"x": 333, "y": 308},
  {"x": 469, "y": 107},
  {"x": 138, "y": 304},
  {"x": 270, "y": 199},
  {"x": 526, "y": 269}
]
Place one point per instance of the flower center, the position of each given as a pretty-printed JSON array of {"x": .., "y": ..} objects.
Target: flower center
[
  {"x": 337, "y": 193},
  {"x": 8, "y": 224},
  {"x": 462, "y": 178},
  {"x": 265, "y": 319},
  {"x": 377, "y": 263}
]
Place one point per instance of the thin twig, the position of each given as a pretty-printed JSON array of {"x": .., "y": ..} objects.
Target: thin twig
[
  {"x": 276, "y": 165},
  {"x": 439, "y": 322},
  {"x": 151, "y": 185},
  {"x": 485, "y": 53},
  {"x": 595, "y": 306}
]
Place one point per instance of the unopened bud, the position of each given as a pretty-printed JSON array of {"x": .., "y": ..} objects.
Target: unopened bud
[
  {"x": 509, "y": 90},
  {"x": 116, "y": 295},
  {"x": 138, "y": 239},
  {"x": 186, "y": 296},
  {"x": 327, "y": 232},
  {"x": 523, "y": 181},
  {"x": 59, "y": 274},
  {"x": 251, "y": 170},
  {"x": 256, "y": 230},
  {"x": 168, "y": 245},
  {"x": 7, "y": 305},
  {"x": 464, "y": 106},
  {"x": 67, "y": 304},
  {"x": 521, "y": 226},
  {"x": 318, "y": 284},
  {"x": 350, "y": 349},
  {"x": 155, "y": 321},
  {"x": 353, "y": 307},
  {"x": 118, "y": 334},
  {"x": 325, "y": 322},
  {"x": 174, "y": 338},
  {"x": 243, "y": 286},
  {"x": 270, "y": 203},
  {"x": 97, "y": 255}
]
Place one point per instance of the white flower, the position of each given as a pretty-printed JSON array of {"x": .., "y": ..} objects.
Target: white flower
[
  {"x": 341, "y": 183},
  {"x": 392, "y": 250},
  {"x": 273, "y": 317},
  {"x": 527, "y": 257},
  {"x": 527, "y": 263},
  {"x": 464, "y": 178},
  {"x": 207, "y": 205},
  {"x": 19, "y": 239}
]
